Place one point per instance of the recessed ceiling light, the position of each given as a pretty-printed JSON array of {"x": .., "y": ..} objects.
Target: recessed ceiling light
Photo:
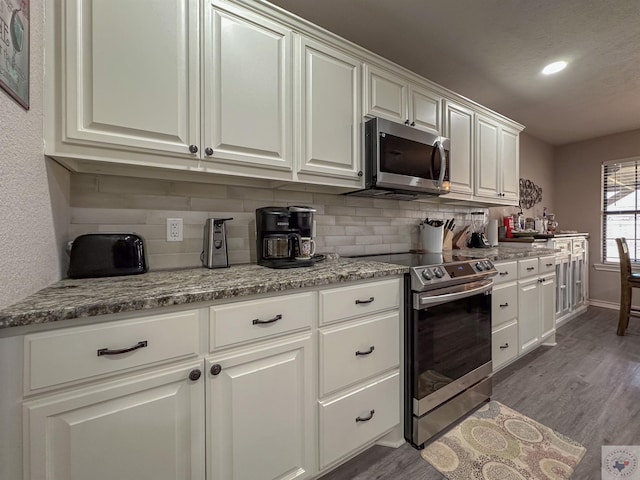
[{"x": 554, "y": 67}]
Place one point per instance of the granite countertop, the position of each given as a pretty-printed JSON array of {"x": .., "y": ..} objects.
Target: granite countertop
[
  {"x": 68, "y": 299},
  {"x": 89, "y": 297}
]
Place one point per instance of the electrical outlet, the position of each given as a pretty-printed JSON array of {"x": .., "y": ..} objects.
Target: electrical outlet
[{"x": 174, "y": 229}]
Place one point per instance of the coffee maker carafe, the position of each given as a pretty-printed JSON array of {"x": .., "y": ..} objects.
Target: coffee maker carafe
[{"x": 283, "y": 234}]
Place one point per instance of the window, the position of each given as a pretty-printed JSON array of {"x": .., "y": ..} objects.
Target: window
[{"x": 621, "y": 208}]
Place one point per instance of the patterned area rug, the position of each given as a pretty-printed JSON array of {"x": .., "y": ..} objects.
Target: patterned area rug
[{"x": 497, "y": 443}]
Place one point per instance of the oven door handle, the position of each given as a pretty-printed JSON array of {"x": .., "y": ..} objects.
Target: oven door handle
[{"x": 424, "y": 300}]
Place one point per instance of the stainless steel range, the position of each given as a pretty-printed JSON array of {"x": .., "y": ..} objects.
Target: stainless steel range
[{"x": 447, "y": 339}]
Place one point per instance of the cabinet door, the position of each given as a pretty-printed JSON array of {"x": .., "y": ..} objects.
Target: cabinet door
[
  {"x": 424, "y": 109},
  {"x": 578, "y": 267},
  {"x": 386, "y": 95},
  {"x": 547, "y": 305},
  {"x": 487, "y": 166},
  {"x": 132, "y": 73},
  {"x": 247, "y": 75},
  {"x": 260, "y": 420},
  {"x": 143, "y": 427},
  {"x": 509, "y": 165},
  {"x": 458, "y": 126},
  {"x": 528, "y": 314},
  {"x": 330, "y": 111}
]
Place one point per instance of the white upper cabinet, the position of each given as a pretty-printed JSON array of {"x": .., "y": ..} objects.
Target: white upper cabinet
[
  {"x": 247, "y": 89},
  {"x": 458, "y": 127},
  {"x": 392, "y": 97},
  {"x": 132, "y": 74},
  {"x": 330, "y": 112},
  {"x": 497, "y": 162}
]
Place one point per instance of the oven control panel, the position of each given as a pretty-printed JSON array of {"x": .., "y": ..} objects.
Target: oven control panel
[{"x": 436, "y": 276}]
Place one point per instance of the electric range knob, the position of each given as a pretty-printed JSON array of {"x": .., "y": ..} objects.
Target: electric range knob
[
  {"x": 488, "y": 265},
  {"x": 479, "y": 266},
  {"x": 426, "y": 274},
  {"x": 438, "y": 272}
]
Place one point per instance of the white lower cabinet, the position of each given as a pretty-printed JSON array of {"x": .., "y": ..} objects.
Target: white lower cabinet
[
  {"x": 259, "y": 412},
  {"x": 147, "y": 426},
  {"x": 523, "y": 308},
  {"x": 242, "y": 390},
  {"x": 504, "y": 344},
  {"x": 351, "y": 420}
]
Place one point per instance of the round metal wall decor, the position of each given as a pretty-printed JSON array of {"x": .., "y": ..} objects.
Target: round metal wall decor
[{"x": 530, "y": 193}]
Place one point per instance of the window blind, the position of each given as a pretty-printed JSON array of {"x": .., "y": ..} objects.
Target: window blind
[{"x": 620, "y": 208}]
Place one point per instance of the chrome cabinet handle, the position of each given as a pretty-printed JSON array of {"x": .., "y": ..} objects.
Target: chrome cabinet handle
[
  {"x": 371, "y": 348},
  {"x": 502, "y": 274},
  {"x": 443, "y": 159},
  {"x": 120, "y": 351},
  {"x": 257, "y": 321},
  {"x": 365, "y": 419},
  {"x": 502, "y": 347},
  {"x": 505, "y": 304},
  {"x": 360, "y": 302},
  {"x": 530, "y": 268}
]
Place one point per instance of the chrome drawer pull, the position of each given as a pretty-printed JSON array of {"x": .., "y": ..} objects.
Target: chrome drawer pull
[
  {"x": 106, "y": 351},
  {"x": 257, "y": 321},
  {"x": 504, "y": 305},
  {"x": 360, "y": 302},
  {"x": 502, "y": 274},
  {"x": 358, "y": 353},
  {"x": 365, "y": 419},
  {"x": 502, "y": 347}
]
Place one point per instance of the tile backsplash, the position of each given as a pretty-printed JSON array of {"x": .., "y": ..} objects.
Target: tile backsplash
[{"x": 345, "y": 225}]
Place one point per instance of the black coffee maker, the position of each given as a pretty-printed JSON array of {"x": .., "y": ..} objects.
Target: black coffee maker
[{"x": 279, "y": 235}]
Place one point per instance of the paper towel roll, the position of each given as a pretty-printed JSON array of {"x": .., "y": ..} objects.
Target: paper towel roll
[{"x": 492, "y": 233}]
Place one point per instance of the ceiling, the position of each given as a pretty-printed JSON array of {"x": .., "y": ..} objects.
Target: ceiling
[{"x": 492, "y": 51}]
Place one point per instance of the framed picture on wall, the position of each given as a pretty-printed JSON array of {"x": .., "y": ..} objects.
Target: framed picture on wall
[{"x": 14, "y": 49}]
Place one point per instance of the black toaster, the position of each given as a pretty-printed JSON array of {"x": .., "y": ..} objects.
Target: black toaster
[{"x": 107, "y": 255}]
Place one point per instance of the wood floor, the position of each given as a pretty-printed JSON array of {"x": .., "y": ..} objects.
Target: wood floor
[{"x": 586, "y": 387}]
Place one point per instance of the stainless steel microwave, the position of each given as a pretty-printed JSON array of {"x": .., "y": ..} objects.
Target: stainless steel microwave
[{"x": 403, "y": 162}]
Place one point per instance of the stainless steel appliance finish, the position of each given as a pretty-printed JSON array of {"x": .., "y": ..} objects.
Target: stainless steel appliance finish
[
  {"x": 447, "y": 340},
  {"x": 447, "y": 344},
  {"x": 403, "y": 162},
  {"x": 214, "y": 251}
]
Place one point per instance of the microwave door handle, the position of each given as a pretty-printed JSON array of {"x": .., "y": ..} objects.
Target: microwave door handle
[{"x": 443, "y": 163}]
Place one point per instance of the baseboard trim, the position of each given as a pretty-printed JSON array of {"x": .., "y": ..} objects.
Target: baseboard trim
[{"x": 603, "y": 304}]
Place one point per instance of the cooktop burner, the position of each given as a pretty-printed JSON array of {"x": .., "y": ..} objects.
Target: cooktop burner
[{"x": 411, "y": 259}]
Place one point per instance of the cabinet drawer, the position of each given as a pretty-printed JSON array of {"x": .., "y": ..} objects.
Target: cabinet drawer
[
  {"x": 579, "y": 245},
  {"x": 344, "y": 357},
  {"x": 563, "y": 245},
  {"x": 343, "y": 421},
  {"x": 507, "y": 272},
  {"x": 527, "y": 267},
  {"x": 547, "y": 264},
  {"x": 357, "y": 300},
  {"x": 504, "y": 304},
  {"x": 54, "y": 358},
  {"x": 256, "y": 319},
  {"x": 504, "y": 345}
]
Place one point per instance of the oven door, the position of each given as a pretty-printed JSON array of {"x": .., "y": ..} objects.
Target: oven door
[{"x": 449, "y": 342}]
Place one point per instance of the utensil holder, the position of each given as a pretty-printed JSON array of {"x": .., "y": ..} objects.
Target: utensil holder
[{"x": 431, "y": 238}]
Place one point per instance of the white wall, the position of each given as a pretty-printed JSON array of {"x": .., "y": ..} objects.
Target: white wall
[{"x": 34, "y": 192}]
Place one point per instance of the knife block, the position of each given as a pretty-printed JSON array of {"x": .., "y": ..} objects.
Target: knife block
[{"x": 447, "y": 241}]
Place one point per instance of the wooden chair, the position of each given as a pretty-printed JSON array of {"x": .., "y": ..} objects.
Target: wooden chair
[{"x": 628, "y": 281}]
